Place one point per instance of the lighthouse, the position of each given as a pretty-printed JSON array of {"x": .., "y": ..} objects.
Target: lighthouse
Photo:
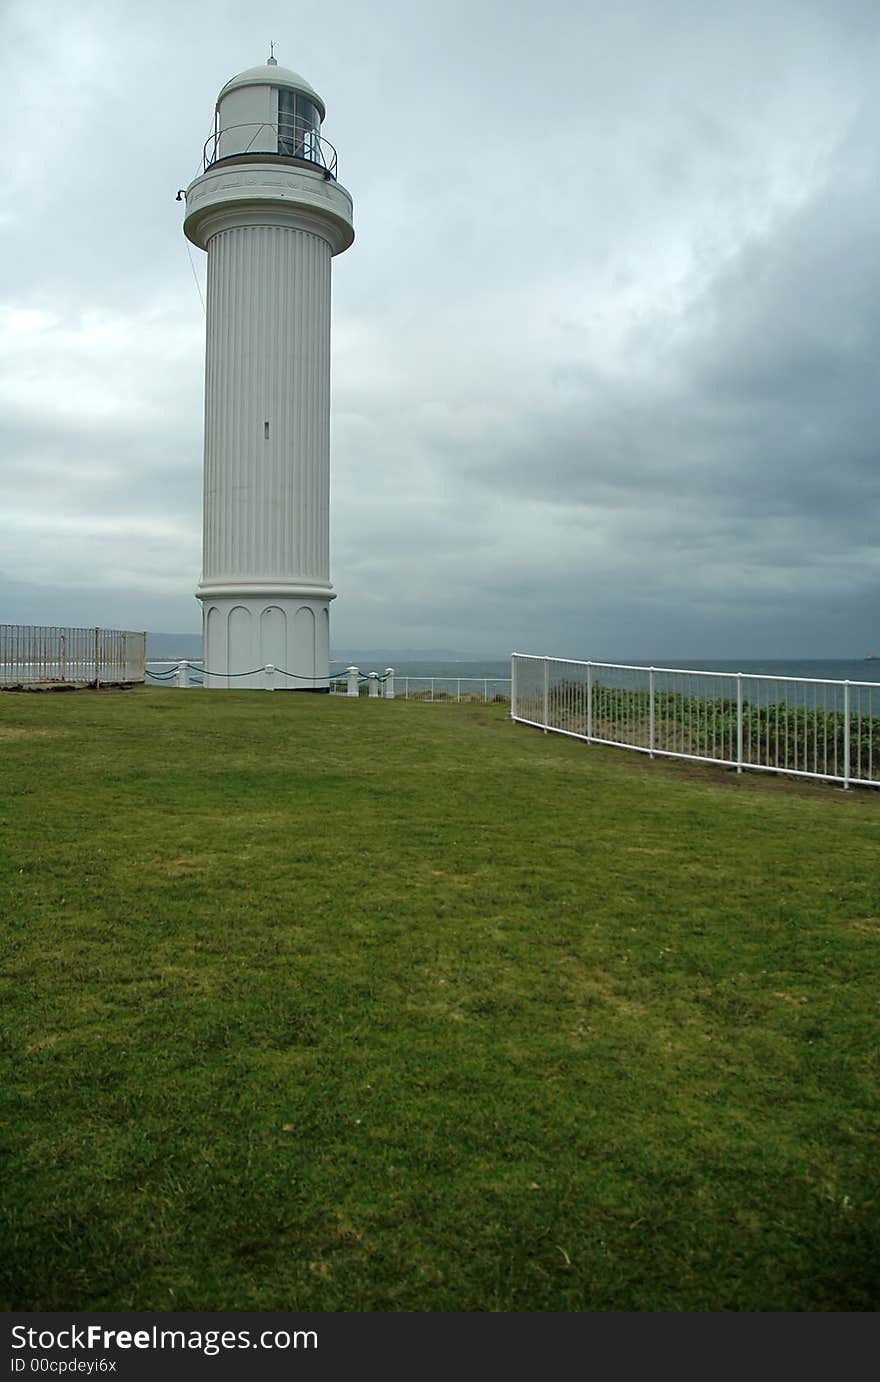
[{"x": 270, "y": 214}]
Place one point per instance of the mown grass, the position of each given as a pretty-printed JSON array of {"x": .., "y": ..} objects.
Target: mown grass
[{"x": 321, "y": 1004}]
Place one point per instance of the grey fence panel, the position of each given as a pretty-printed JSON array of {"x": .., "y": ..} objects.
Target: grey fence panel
[{"x": 48, "y": 654}]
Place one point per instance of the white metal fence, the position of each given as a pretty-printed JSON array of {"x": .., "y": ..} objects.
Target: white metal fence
[
  {"x": 453, "y": 688},
  {"x": 45, "y": 654},
  {"x": 808, "y": 728}
]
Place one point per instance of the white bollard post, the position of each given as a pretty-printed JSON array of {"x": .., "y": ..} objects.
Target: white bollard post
[
  {"x": 373, "y": 683},
  {"x": 183, "y": 674},
  {"x": 389, "y": 683},
  {"x": 270, "y": 677},
  {"x": 351, "y": 674}
]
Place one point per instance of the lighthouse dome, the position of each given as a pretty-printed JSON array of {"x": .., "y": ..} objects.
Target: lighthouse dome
[
  {"x": 271, "y": 74},
  {"x": 269, "y": 110}
]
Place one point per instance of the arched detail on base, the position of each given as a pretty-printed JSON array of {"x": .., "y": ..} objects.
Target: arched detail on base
[
  {"x": 304, "y": 642},
  {"x": 273, "y": 637},
  {"x": 245, "y": 635}
]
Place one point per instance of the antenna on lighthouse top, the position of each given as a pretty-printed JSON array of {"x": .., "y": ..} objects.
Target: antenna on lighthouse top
[{"x": 271, "y": 61}]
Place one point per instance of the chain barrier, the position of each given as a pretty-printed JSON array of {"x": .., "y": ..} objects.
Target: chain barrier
[{"x": 295, "y": 676}]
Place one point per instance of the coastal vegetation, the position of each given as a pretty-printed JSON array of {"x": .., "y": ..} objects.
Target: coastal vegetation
[
  {"x": 777, "y": 732},
  {"x": 310, "y": 1003}
]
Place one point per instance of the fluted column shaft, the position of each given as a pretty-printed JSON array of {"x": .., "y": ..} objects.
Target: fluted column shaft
[{"x": 267, "y": 406}]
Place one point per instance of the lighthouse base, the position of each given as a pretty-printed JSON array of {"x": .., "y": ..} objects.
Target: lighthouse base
[{"x": 270, "y": 641}]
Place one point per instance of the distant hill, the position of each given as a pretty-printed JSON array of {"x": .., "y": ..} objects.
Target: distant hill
[{"x": 166, "y": 647}]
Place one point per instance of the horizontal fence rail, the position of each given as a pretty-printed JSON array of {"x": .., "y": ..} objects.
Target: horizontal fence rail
[
  {"x": 807, "y": 728},
  {"x": 36, "y": 654}
]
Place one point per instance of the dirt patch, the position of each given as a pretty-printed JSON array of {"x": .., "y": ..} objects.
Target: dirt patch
[
  {"x": 184, "y": 867},
  {"x": 588, "y": 987},
  {"x": 9, "y": 732}
]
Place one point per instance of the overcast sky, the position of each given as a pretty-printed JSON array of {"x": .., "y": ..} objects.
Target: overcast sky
[{"x": 606, "y": 350}]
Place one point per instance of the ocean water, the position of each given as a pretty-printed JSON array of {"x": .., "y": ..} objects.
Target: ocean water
[
  {"x": 815, "y": 684},
  {"x": 498, "y": 669},
  {"x": 823, "y": 669},
  {"x": 494, "y": 669},
  {"x": 860, "y": 669}
]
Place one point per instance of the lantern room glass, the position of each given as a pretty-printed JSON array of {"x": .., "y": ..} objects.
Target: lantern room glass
[{"x": 299, "y": 126}]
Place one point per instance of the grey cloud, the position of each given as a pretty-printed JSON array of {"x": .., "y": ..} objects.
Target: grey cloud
[{"x": 604, "y": 350}]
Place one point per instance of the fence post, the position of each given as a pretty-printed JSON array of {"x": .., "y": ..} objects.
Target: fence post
[
  {"x": 63, "y": 662},
  {"x": 351, "y": 676},
  {"x": 485, "y": 689},
  {"x": 389, "y": 683},
  {"x": 458, "y": 689},
  {"x": 651, "y": 711},
  {"x": 373, "y": 683},
  {"x": 739, "y": 722},
  {"x": 546, "y": 693},
  {"x": 183, "y": 673},
  {"x": 432, "y": 688},
  {"x": 589, "y": 700},
  {"x": 97, "y": 658},
  {"x": 846, "y": 744},
  {"x": 513, "y": 687}
]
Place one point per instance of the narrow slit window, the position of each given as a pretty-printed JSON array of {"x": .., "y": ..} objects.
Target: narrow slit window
[{"x": 265, "y": 431}]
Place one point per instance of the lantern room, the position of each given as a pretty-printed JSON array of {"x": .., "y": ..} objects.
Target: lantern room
[{"x": 270, "y": 111}]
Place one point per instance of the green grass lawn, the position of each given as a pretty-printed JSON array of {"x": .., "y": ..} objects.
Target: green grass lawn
[{"x": 321, "y": 1004}]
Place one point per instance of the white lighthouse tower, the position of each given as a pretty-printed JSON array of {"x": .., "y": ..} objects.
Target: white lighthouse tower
[{"x": 271, "y": 215}]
